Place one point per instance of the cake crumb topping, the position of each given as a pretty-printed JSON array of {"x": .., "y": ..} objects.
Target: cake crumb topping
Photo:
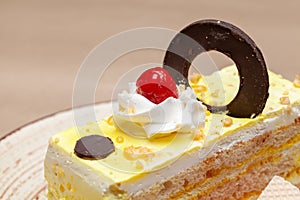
[
  {"x": 297, "y": 81},
  {"x": 286, "y": 92},
  {"x": 199, "y": 135},
  {"x": 139, "y": 165},
  {"x": 215, "y": 93},
  {"x": 134, "y": 153},
  {"x": 207, "y": 113},
  {"x": 54, "y": 140},
  {"x": 199, "y": 88},
  {"x": 119, "y": 139},
  {"x": 284, "y": 100},
  {"x": 110, "y": 120},
  {"x": 115, "y": 189},
  {"x": 227, "y": 122},
  {"x": 195, "y": 77}
]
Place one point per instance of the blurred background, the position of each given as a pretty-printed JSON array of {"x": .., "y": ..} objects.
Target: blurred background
[{"x": 43, "y": 43}]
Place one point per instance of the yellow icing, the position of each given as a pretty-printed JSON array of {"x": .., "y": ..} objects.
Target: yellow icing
[{"x": 118, "y": 167}]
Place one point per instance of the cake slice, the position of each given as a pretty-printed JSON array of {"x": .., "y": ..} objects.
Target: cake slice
[
  {"x": 222, "y": 136},
  {"x": 237, "y": 160}
]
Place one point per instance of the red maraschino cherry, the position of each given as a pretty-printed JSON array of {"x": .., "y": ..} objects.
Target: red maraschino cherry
[{"x": 156, "y": 84}]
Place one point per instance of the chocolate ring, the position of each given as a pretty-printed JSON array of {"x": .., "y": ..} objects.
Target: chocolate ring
[{"x": 206, "y": 35}]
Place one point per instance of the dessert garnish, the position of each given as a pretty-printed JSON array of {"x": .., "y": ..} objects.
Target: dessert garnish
[
  {"x": 156, "y": 107},
  {"x": 207, "y": 35},
  {"x": 94, "y": 147},
  {"x": 156, "y": 84}
]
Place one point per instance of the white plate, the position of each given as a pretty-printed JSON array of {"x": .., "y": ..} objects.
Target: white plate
[{"x": 22, "y": 153}]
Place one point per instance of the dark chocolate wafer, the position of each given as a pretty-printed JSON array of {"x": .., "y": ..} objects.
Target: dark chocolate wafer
[
  {"x": 207, "y": 35},
  {"x": 94, "y": 147}
]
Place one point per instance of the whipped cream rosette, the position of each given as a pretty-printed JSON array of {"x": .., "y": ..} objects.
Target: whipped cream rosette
[{"x": 138, "y": 116}]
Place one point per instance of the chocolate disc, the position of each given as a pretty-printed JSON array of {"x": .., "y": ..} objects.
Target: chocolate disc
[
  {"x": 94, "y": 147},
  {"x": 206, "y": 35}
]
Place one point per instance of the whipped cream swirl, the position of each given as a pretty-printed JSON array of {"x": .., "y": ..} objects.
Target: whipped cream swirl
[{"x": 139, "y": 117}]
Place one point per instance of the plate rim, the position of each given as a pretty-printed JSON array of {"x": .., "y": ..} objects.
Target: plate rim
[{"x": 5, "y": 135}]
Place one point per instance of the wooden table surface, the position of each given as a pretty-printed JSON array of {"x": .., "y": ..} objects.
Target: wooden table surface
[{"x": 43, "y": 43}]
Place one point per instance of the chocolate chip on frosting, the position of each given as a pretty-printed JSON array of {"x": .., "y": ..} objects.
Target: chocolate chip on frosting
[{"x": 94, "y": 147}]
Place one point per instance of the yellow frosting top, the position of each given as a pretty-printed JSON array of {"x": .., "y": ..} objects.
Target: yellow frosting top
[{"x": 134, "y": 157}]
